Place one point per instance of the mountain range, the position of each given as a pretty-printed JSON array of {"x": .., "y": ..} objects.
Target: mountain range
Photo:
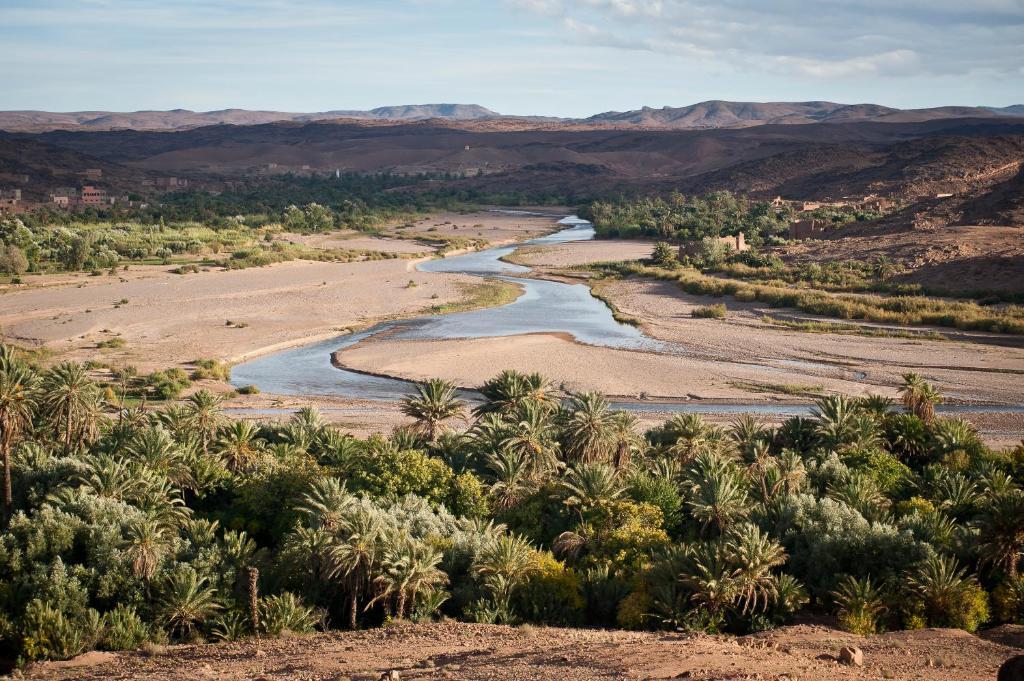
[{"x": 704, "y": 115}]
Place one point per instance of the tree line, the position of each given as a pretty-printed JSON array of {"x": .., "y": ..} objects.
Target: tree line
[{"x": 124, "y": 526}]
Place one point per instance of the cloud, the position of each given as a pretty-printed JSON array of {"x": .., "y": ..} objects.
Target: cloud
[{"x": 815, "y": 40}]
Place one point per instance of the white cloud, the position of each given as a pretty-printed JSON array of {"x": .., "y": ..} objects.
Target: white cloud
[{"x": 821, "y": 39}]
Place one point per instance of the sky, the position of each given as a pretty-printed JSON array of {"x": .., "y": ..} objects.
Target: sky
[{"x": 540, "y": 57}]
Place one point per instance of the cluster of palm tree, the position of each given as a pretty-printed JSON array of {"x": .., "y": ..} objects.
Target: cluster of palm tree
[{"x": 127, "y": 524}]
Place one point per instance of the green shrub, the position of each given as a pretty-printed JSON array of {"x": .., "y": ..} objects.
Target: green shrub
[
  {"x": 168, "y": 384},
  {"x": 123, "y": 629},
  {"x": 286, "y": 612},
  {"x": 551, "y": 594}
]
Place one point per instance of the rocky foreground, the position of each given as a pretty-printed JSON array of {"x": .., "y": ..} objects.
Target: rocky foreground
[{"x": 467, "y": 651}]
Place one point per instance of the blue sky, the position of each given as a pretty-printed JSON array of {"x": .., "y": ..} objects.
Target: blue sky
[{"x": 550, "y": 57}]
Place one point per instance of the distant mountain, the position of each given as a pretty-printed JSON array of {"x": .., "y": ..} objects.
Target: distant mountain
[
  {"x": 1012, "y": 110},
  {"x": 704, "y": 115},
  {"x": 180, "y": 119},
  {"x": 722, "y": 114}
]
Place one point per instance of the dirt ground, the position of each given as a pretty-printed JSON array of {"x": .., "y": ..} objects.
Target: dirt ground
[
  {"x": 476, "y": 652},
  {"x": 166, "y": 319}
]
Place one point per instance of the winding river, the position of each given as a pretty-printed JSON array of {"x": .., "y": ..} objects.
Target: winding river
[{"x": 543, "y": 307}]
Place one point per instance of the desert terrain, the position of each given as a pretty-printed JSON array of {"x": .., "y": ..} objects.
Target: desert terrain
[{"x": 471, "y": 652}]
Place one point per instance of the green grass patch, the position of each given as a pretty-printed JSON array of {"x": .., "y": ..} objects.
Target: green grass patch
[
  {"x": 849, "y": 329},
  {"x": 795, "y": 389},
  {"x": 490, "y": 293}
]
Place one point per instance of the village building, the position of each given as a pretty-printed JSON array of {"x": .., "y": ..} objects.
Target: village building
[
  {"x": 736, "y": 243},
  {"x": 93, "y": 196},
  {"x": 93, "y": 173},
  {"x": 807, "y": 229},
  {"x": 10, "y": 200}
]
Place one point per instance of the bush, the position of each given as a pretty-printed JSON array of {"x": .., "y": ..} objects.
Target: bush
[
  {"x": 552, "y": 594},
  {"x": 13, "y": 260},
  {"x": 716, "y": 311},
  {"x": 286, "y": 612},
  {"x": 1008, "y": 599},
  {"x": 123, "y": 629},
  {"x": 168, "y": 384},
  {"x": 248, "y": 390}
]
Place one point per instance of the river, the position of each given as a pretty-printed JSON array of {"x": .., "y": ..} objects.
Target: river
[{"x": 543, "y": 306}]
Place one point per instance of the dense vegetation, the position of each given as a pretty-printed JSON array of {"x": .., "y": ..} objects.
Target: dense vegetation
[
  {"x": 679, "y": 218},
  {"x": 126, "y": 526},
  {"x": 682, "y": 218}
]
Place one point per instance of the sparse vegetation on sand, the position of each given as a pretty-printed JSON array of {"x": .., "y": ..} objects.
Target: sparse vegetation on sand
[
  {"x": 902, "y": 310},
  {"x": 139, "y": 527}
]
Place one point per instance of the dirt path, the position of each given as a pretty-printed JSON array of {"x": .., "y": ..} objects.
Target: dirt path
[{"x": 468, "y": 651}]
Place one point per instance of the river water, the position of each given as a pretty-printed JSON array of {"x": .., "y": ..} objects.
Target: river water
[{"x": 544, "y": 306}]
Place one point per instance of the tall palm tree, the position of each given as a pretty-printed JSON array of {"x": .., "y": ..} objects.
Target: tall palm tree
[
  {"x": 71, "y": 401},
  {"x": 355, "y": 552},
  {"x": 510, "y": 472},
  {"x": 17, "y": 404},
  {"x": 145, "y": 544},
  {"x": 919, "y": 396},
  {"x": 588, "y": 428},
  {"x": 435, "y": 402},
  {"x": 203, "y": 415},
  {"x": 625, "y": 439},
  {"x": 588, "y": 485}
]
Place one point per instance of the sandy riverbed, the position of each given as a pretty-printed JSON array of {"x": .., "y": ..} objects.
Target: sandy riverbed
[
  {"x": 171, "y": 319},
  {"x": 739, "y": 358}
]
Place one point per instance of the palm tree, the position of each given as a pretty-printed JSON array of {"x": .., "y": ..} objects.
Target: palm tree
[
  {"x": 326, "y": 503},
  {"x": 238, "y": 443},
  {"x": 510, "y": 473},
  {"x": 531, "y": 433},
  {"x": 589, "y": 485},
  {"x": 625, "y": 440},
  {"x": 355, "y": 552},
  {"x": 435, "y": 402},
  {"x": 717, "y": 495},
  {"x": 17, "y": 403},
  {"x": 942, "y": 585},
  {"x": 408, "y": 568},
  {"x": 71, "y": 401},
  {"x": 860, "y": 604},
  {"x": 203, "y": 416},
  {"x": 145, "y": 544},
  {"x": 756, "y": 555},
  {"x": 747, "y": 432},
  {"x": 155, "y": 448},
  {"x": 503, "y": 563},
  {"x": 588, "y": 428},
  {"x": 510, "y": 390},
  {"x": 919, "y": 396},
  {"x": 186, "y": 600},
  {"x": 1001, "y": 531}
]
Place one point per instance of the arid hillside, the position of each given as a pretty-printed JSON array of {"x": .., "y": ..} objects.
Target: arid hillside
[{"x": 468, "y": 651}]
